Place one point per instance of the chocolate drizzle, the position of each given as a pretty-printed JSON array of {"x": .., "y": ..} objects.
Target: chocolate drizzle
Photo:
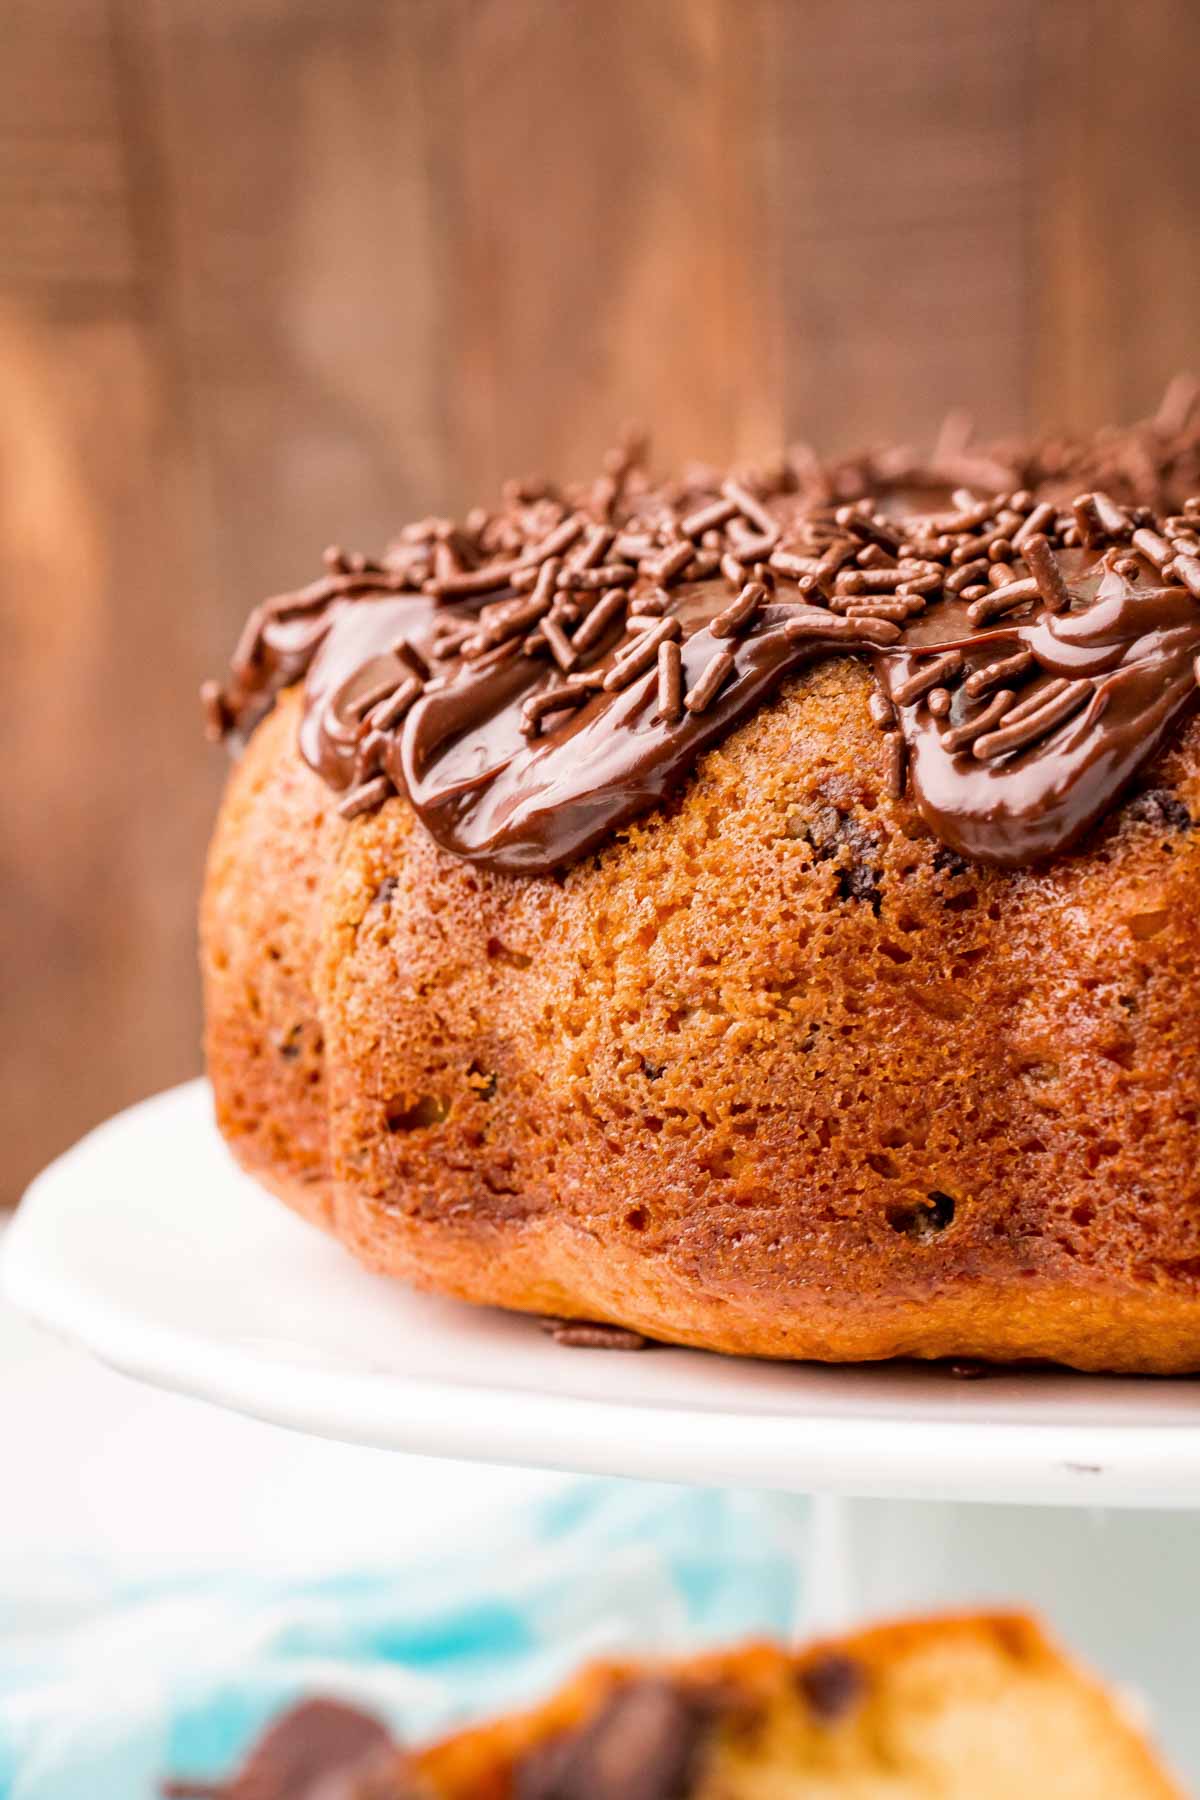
[
  {"x": 540, "y": 677},
  {"x": 1124, "y": 654}
]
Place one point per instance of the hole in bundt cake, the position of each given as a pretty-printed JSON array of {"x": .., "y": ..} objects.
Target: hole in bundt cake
[
  {"x": 652, "y": 1070},
  {"x": 924, "y": 1220},
  {"x": 428, "y": 1110},
  {"x": 637, "y": 1218},
  {"x": 383, "y": 893}
]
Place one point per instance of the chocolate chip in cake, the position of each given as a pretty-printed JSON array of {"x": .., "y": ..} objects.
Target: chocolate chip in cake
[
  {"x": 645, "y": 1743},
  {"x": 1160, "y": 808},
  {"x": 948, "y": 862},
  {"x": 832, "y": 1684},
  {"x": 859, "y": 882},
  {"x": 834, "y": 834}
]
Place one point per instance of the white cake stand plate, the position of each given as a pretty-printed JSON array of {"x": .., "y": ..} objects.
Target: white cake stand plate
[{"x": 147, "y": 1247}]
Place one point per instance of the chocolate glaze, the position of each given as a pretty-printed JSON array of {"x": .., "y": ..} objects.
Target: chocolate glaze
[
  {"x": 488, "y": 794},
  {"x": 1137, "y": 641},
  {"x": 489, "y": 790}
]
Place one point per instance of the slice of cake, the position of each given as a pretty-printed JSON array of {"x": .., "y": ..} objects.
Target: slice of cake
[{"x": 971, "y": 1708}]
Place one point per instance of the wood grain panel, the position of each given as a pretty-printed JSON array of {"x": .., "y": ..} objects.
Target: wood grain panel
[
  {"x": 298, "y": 145},
  {"x": 104, "y": 637},
  {"x": 902, "y": 178},
  {"x": 1117, "y": 253},
  {"x": 609, "y": 200},
  {"x": 64, "y": 217}
]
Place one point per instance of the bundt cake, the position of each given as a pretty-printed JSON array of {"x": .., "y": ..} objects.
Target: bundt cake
[
  {"x": 759, "y": 911},
  {"x": 978, "y": 1708}
]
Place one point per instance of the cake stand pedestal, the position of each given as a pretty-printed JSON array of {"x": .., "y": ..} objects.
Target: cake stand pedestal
[{"x": 1072, "y": 1494}]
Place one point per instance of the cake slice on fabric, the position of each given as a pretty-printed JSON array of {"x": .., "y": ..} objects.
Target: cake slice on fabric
[{"x": 961, "y": 1708}]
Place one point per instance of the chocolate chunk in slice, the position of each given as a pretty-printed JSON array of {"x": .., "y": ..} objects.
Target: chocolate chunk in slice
[
  {"x": 645, "y": 1743},
  {"x": 832, "y": 1684},
  {"x": 300, "y": 1756}
]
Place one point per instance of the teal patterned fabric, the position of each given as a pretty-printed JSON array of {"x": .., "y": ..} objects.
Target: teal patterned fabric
[{"x": 108, "y": 1681}]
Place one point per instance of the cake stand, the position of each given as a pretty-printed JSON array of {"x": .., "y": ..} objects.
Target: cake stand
[{"x": 145, "y": 1246}]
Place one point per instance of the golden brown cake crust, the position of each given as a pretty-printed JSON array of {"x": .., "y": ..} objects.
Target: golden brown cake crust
[
  {"x": 773, "y": 1073},
  {"x": 260, "y": 928}
]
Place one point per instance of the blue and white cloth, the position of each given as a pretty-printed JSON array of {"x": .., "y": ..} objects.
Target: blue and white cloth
[{"x": 107, "y": 1683}]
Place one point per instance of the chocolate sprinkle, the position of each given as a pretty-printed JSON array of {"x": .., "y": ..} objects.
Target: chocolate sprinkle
[
  {"x": 365, "y": 798},
  {"x": 670, "y": 682},
  {"x": 929, "y": 676},
  {"x": 216, "y": 717},
  {"x": 959, "y": 736},
  {"x": 895, "y": 763},
  {"x": 1187, "y": 569},
  {"x": 1003, "y": 599},
  {"x": 730, "y": 621},
  {"x": 715, "y": 672},
  {"x": 1043, "y": 566},
  {"x": 639, "y": 658},
  {"x": 582, "y": 1334}
]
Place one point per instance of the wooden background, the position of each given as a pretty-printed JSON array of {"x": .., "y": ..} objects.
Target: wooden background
[{"x": 274, "y": 272}]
